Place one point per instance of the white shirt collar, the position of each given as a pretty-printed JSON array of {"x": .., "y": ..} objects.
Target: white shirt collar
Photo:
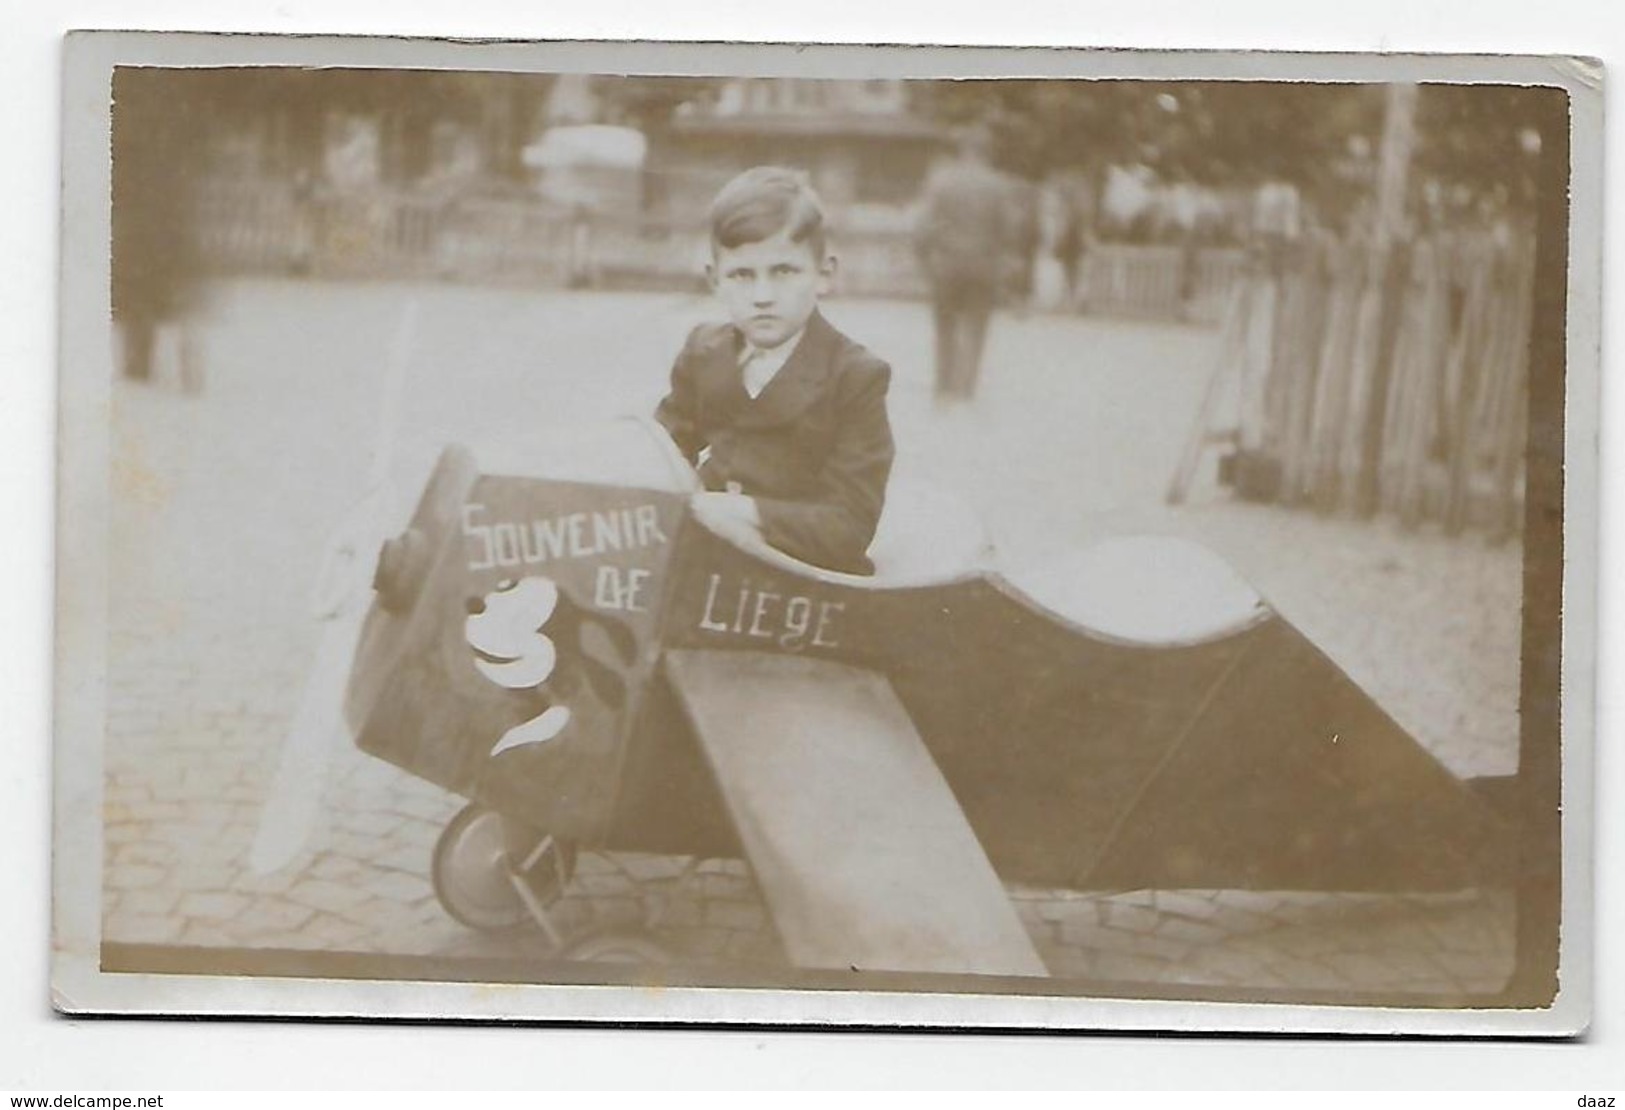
[{"x": 759, "y": 367}]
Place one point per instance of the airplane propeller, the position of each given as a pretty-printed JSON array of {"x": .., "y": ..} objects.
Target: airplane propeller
[{"x": 340, "y": 603}]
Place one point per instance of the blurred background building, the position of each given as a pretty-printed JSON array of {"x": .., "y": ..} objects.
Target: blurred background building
[
  {"x": 495, "y": 176},
  {"x": 866, "y": 150}
]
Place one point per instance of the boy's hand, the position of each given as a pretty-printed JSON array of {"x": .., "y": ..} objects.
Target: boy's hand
[{"x": 732, "y": 514}]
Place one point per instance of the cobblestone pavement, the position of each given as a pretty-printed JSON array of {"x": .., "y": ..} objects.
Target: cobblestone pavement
[{"x": 223, "y": 501}]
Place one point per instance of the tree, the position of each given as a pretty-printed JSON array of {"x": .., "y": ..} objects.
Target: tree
[
  {"x": 1217, "y": 132},
  {"x": 1039, "y": 127},
  {"x": 1318, "y": 136},
  {"x": 1482, "y": 139}
]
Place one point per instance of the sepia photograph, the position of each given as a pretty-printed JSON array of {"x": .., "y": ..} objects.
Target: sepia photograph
[{"x": 824, "y": 535}]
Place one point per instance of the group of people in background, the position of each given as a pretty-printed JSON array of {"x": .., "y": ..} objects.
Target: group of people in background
[{"x": 986, "y": 239}]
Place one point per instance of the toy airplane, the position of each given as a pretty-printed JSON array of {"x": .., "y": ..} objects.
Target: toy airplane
[{"x": 555, "y": 638}]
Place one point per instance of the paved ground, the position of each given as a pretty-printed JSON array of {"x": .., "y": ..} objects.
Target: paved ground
[{"x": 223, "y": 501}]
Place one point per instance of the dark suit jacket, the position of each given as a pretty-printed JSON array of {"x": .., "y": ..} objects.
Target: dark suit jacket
[
  {"x": 965, "y": 228},
  {"x": 814, "y": 449}
]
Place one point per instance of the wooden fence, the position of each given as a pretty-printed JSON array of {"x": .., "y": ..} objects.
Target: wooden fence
[
  {"x": 253, "y": 230},
  {"x": 270, "y": 228},
  {"x": 1363, "y": 386},
  {"x": 1158, "y": 282}
]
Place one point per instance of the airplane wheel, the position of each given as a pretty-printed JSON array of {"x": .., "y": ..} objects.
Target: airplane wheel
[
  {"x": 474, "y": 859},
  {"x": 619, "y": 948}
]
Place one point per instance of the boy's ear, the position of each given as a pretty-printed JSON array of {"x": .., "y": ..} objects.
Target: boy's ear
[{"x": 826, "y": 274}]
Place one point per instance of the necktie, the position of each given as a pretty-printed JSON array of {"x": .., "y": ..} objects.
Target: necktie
[{"x": 757, "y": 371}]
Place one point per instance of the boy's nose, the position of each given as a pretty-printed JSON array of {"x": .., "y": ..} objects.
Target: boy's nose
[{"x": 762, "y": 292}]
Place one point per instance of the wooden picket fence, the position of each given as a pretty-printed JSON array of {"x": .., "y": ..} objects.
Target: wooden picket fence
[
  {"x": 1358, "y": 387},
  {"x": 249, "y": 229},
  {"x": 1158, "y": 282}
]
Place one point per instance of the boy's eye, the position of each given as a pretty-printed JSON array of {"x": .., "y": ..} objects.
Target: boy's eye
[{"x": 785, "y": 270}]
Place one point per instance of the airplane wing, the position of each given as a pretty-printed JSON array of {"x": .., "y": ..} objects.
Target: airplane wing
[
  {"x": 1135, "y": 716},
  {"x": 860, "y": 848}
]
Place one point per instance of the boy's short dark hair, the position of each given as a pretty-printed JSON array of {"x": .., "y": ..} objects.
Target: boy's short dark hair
[{"x": 761, "y": 202}]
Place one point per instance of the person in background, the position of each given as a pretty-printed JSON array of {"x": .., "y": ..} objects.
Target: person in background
[
  {"x": 156, "y": 268},
  {"x": 965, "y": 235}
]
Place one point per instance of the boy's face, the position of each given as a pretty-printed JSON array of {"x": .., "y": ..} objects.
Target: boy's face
[{"x": 770, "y": 287}]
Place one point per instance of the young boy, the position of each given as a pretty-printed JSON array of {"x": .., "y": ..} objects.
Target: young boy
[{"x": 784, "y": 415}]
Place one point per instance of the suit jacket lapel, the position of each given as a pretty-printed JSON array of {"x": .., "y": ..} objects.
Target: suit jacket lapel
[{"x": 720, "y": 386}]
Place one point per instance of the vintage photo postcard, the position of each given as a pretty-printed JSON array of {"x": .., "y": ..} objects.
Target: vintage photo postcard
[{"x": 826, "y": 535}]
